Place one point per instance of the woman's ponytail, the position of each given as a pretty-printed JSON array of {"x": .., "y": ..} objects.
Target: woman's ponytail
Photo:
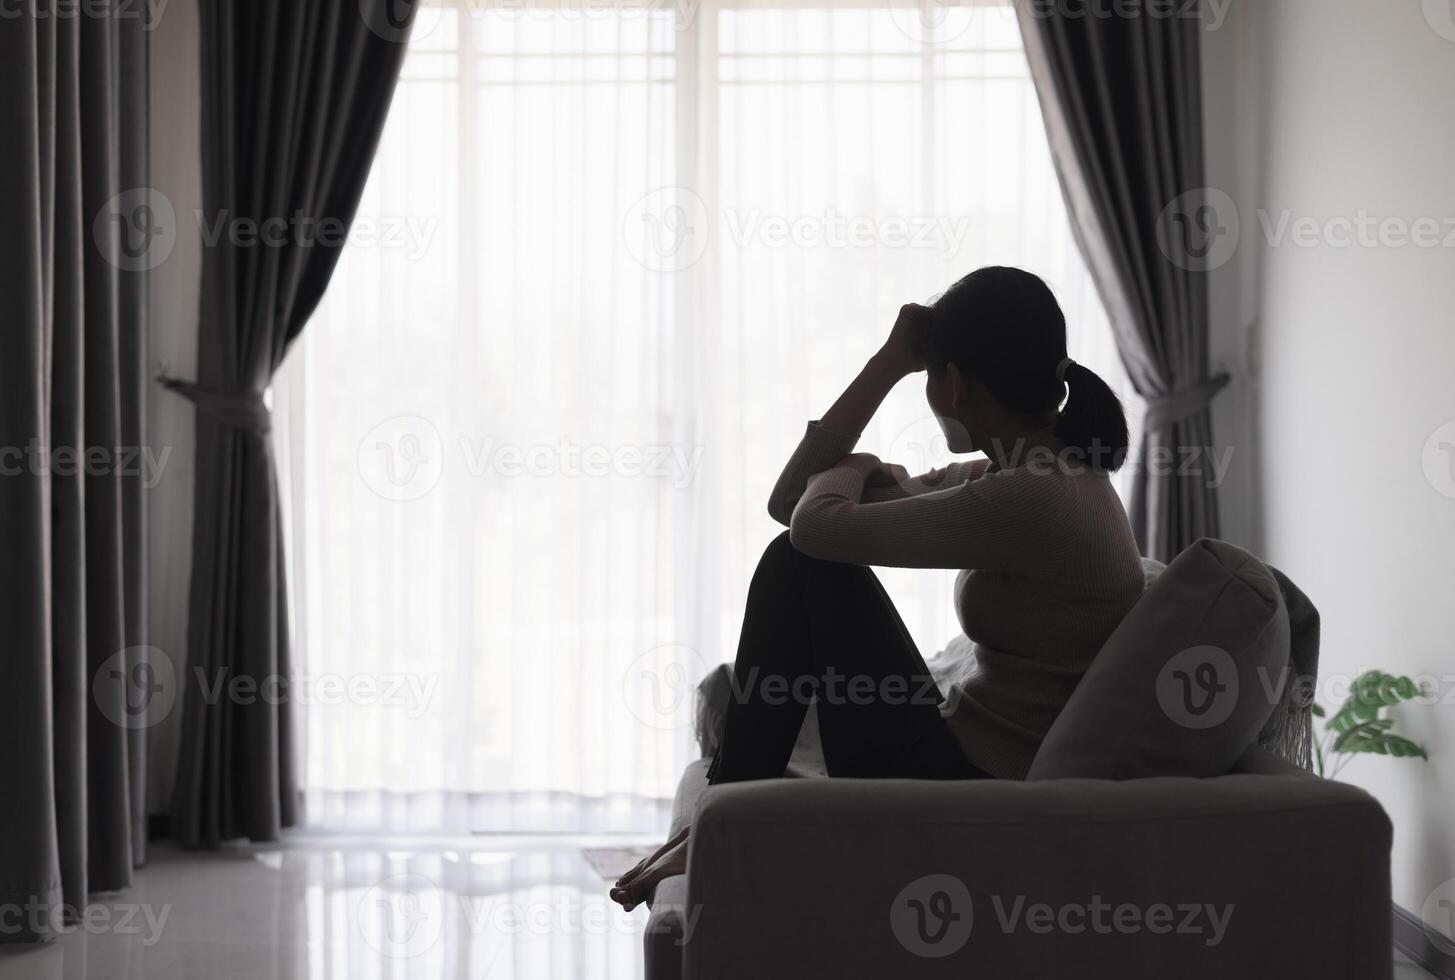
[{"x": 1092, "y": 421}]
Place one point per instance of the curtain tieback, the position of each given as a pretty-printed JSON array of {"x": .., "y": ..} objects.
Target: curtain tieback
[
  {"x": 243, "y": 410},
  {"x": 1167, "y": 410}
]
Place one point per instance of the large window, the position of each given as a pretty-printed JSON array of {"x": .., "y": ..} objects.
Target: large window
[{"x": 610, "y": 260}]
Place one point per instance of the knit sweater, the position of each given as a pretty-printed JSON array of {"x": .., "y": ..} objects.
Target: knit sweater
[{"x": 1048, "y": 568}]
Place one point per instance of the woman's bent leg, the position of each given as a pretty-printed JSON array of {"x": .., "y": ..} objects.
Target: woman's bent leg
[{"x": 828, "y": 630}]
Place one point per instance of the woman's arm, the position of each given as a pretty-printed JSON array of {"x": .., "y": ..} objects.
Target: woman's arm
[
  {"x": 893, "y": 482},
  {"x": 834, "y": 436},
  {"x": 890, "y": 365},
  {"x": 999, "y": 523}
]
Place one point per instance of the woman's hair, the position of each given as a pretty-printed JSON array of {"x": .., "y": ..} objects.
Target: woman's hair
[{"x": 1004, "y": 327}]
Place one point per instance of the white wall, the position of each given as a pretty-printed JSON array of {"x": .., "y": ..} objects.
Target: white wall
[
  {"x": 176, "y": 172},
  {"x": 1330, "y": 108}
]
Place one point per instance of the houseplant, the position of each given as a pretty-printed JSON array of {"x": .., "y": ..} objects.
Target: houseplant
[{"x": 1360, "y": 725}]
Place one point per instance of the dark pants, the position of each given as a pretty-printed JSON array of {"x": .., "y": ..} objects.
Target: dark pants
[{"x": 829, "y": 630}]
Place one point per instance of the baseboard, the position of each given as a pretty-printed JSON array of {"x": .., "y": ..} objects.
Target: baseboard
[{"x": 1413, "y": 940}]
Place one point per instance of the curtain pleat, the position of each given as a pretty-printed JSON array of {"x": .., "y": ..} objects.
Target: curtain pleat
[
  {"x": 294, "y": 97},
  {"x": 1123, "y": 107},
  {"x": 72, "y": 524}
]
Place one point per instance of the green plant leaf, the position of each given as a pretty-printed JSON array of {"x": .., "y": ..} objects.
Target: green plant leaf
[
  {"x": 1392, "y": 745},
  {"x": 1375, "y": 737},
  {"x": 1363, "y": 732},
  {"x": 1370, "y": 694},
  {"x": 1319, "y": 711}
]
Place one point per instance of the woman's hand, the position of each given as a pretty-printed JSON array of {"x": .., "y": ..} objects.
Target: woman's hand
[
  {"x": 894, "y": 362},
  {"x": 901, "y": 350}
]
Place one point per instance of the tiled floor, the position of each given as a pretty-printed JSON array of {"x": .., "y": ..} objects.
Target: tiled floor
[{"x": 498, "y": 908}]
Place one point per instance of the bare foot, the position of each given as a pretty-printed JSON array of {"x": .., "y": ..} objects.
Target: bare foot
[
  {"x": 647, "y": 862},
  {"x": 671, "y": 862}
]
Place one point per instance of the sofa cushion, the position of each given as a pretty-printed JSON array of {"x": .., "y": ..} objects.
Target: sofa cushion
[{"x": 1185, "y": 683}]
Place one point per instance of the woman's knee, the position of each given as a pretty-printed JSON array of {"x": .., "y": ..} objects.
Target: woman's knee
[{"x": 781, "y": 557}]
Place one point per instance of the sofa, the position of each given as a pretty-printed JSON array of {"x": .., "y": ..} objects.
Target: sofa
[{"x": 1144, "y": 843}]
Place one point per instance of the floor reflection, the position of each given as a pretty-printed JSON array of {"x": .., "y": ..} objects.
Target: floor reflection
[{"x": 496, "y": 908}]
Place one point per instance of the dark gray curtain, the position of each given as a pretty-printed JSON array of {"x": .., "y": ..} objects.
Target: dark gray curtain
[
  {"x": 294, "y": 97},
  {"x": 1122, "y": 100},
  {"x": 72, "y": 529}
]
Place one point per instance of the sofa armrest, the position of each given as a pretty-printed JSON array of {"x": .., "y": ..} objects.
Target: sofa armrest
[{"x": 1242, "y": 875}]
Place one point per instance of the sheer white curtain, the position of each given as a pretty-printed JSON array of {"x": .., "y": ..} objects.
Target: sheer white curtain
[{"x": 611, "y": 259}]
